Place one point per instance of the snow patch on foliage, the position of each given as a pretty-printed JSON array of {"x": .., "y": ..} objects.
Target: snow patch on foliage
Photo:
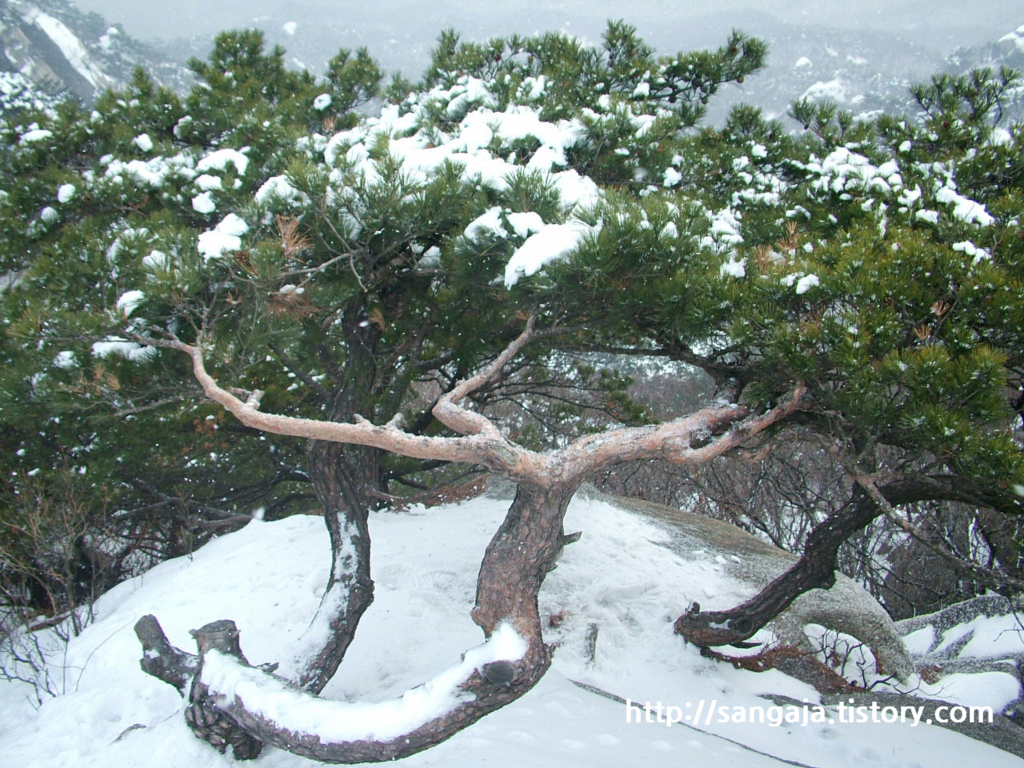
[
  {"x": 130, "y": 350},
  {"x": 34, "y": 135},
  {"x": 143, "y": 142},
  {"x": 221, "y": 159},
  {"x": 204, "y": 203},
  {"x": 225, "y": 237},
  {"x": 280, "y": 187},
  {"x": 65, "y": 193},
  {"x": 553, "y": 242},
  {"x": 129, "y": 302}
]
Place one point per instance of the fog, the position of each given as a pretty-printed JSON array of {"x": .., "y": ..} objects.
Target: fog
[{"x": 400, "y": 33}]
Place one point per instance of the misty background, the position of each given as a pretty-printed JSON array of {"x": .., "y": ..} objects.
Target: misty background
[
  {"x": 400, "y": 33},
  {"x": 859, "y": 54}
]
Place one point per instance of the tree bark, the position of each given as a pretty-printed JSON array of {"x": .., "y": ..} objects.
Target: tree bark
[
  {"x": 817, "y": 566},
  {"x": 341, "y": 475},
  {"x": 517, "y": 559},
  {"x": 513, "y": 568}
]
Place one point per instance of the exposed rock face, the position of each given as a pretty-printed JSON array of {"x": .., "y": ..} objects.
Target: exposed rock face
[
  {"x": 984, "y": 634},
  {"x": 846, "y": 607},
  {"x": 49, "y": 51}
]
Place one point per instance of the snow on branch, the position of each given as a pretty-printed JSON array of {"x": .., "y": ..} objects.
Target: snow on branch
[{"x": 282, "y": 708}]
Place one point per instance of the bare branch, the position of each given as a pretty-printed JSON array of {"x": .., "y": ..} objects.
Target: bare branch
[
  {"x": 484, "y": 446},
  {"x": 465, "y": 422}
]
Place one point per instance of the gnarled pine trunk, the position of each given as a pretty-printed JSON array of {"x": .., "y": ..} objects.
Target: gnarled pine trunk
[{"x": 517, "y": 559}]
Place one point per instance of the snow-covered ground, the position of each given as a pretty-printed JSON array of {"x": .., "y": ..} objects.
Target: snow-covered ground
[{"x": 619, "y": 576}]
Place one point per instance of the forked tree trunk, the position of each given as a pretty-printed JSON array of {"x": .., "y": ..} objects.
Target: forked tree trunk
[
  {"x": 274, "y": 710},
  {"x": 517, "y": 559}
]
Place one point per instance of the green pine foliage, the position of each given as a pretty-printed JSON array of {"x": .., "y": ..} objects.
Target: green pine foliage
[{"x": 349, "y": 263}]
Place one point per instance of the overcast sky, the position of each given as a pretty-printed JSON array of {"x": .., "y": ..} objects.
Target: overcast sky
[{"x": 401, "y": 31}]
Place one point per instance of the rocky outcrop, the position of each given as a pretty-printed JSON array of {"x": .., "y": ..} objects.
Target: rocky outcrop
[{"x": 846, "y": 607}]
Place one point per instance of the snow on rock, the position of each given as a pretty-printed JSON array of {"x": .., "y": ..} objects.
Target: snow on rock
[
  {"x": 620, "y": 576},
  {"x": 1016, "y": 38},
  {"x": 831, "y": 90},
  {"x": 225, "y": 237},
  {"x": 74, "y": 51}
]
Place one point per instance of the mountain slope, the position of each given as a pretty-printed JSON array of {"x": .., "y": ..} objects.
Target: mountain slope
[
  {"x": 49, "y": 50},
  {"x": 621, "y": 576}
]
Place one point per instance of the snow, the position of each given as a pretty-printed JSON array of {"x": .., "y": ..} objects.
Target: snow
[
  {"x": 553, "y": 242},
  {"x": 129, "y": 302},
  {"x": 36, "y": 134},
  {"x": 289, "y": 27},
  {"x": 621, "y": 576},
  {"x": 204, "y": 203},
  {"x": 1016, "y": 38},
  {"x": 830, "y": 90},
  {"x": 963, "y": 208},
  {"x": 994, "y": 637},
  {"x": 206, "y": 182},
  {"x": 155, "y": 261},
  {"x": 76, "y": 54},
  {"x": 143, "y": 142},
  {"x": 805, "y": 283},
  {"x": 220, "y": 159},
  {"x": 734, "y": 268},
  {"x": 65, "y": 360},
  {"x": 226, "y": 236},
  {"x": 115, "y": 345},
  {"x": 280, "y": 187},
  {"x": 337, "y": 721},
  {"x": 322, "y": 102},
  {"x": 65, "y": 193},
  {"x": 802, "y": 62},
  {"x": 153, "y": 172}
]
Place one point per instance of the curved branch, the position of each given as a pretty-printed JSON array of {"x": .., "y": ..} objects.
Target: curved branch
[
  {"x": 817, "y": 566},
  {"x": 486, "y": 448}
]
